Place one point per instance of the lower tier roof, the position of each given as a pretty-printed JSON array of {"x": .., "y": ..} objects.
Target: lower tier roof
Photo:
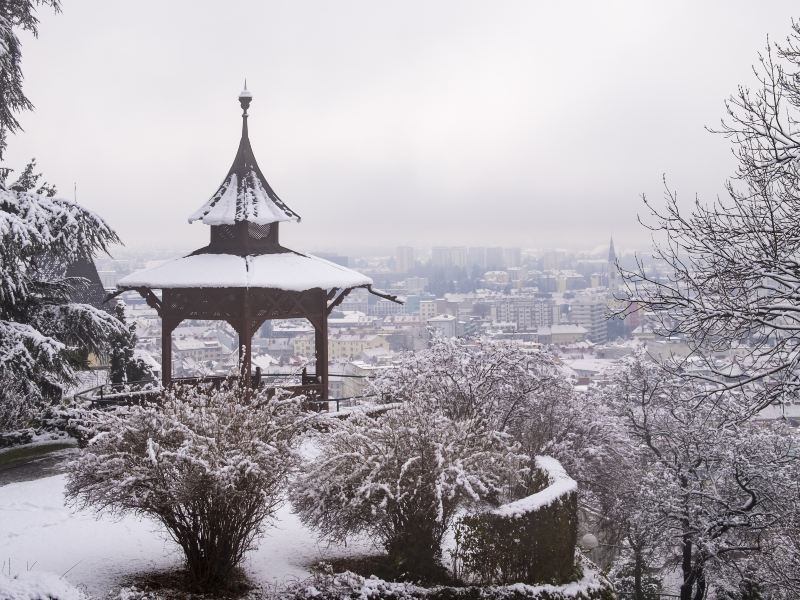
[{"x": 290, "y": 271}]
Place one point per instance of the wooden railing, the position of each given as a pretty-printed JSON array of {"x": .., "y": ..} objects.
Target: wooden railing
[{"x": 136, "y": 392}]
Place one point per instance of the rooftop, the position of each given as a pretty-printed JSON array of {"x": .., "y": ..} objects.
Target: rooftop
[
  {"x": 245, "y": 194},
  {"x": 290, "y": 271}
]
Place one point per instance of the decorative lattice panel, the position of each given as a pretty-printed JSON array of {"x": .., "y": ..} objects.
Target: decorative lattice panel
[{"x": 259, "y": 232}]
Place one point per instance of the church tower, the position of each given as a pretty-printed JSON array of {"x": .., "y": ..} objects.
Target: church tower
[{"x": 613, "y": 273}]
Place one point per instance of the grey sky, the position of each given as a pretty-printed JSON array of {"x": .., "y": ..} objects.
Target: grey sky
[{"x": 388, "y": 123}]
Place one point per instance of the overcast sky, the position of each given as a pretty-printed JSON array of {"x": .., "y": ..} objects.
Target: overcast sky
[{"x": 391, "y": 123}]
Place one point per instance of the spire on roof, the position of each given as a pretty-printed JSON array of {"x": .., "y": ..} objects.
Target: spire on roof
[
  {"x": 612, "y": 255},
  {"x": 245, "y": 194}
]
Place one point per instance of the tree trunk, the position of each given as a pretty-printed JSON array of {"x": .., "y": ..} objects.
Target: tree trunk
[
  {"x": 686, "y": 569},
  {"x": 415, "y": 551},
  {"x": 700, "y": 591},
  {"x": 638, "y": 592}
]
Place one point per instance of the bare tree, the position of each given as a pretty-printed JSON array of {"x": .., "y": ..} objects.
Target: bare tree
[
  {"x": 731, "y": 281},
  {"x": 721, "y": 493}
]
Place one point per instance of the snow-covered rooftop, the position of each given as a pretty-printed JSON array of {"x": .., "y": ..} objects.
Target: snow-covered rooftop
[
  {"x": 289, "y": 271},
  {"x": 245, "y": 194},
  {"x": 243, "y": 198}
]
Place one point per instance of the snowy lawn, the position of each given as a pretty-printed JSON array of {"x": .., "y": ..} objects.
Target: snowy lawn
[{"x": 97, "y": 554}]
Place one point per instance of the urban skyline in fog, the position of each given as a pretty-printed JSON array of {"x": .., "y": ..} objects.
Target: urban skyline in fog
[{"x": 447, "y": 124}]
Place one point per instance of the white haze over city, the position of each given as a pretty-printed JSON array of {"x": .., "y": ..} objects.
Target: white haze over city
[{"x": 385, "y": 124}]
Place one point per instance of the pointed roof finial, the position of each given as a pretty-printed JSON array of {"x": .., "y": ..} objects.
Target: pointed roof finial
[
  {"x": 246, "y": 192},
  {"x": 245, "y": 97}
]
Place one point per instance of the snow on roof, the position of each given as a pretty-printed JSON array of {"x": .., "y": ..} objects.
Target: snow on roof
[
  {"x": 265, "y": 361},
  {"x": 561, "y": 329},
  {"x": 590, "y": 365},
  {"x": 288, "y": 271},
  {"x": 245, "y": 195},
  {"x": 245, "y": 199}
]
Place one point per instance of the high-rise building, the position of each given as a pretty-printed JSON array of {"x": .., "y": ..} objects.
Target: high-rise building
[
  {"x": 404, "y": 259},
  {"x": 449, "y": 256},
  {"x": 591, "y": 312},
  {"x": 528, "y": 312},
  {"x": 476, "y": 257},
  {"x": 495, "y": 260},
  {"x": 427, "y": 310},
  {"x": 458, "y": 256},
  {"x": 512, "y": 257},
  {"x": 440, "y": 257}
]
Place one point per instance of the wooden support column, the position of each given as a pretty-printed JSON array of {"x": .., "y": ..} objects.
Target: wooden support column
[
  {"x": 321, "y": 348},
  {"x": 168, "y": 325},
  {"x": 245, "y": 351},
  {"x": 245, "y": 331}
]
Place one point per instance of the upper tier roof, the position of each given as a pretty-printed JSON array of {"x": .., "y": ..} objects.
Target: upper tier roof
[{"x": 245, "y": 194}]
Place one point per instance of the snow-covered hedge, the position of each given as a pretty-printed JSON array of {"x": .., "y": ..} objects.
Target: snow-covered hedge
[
  {"x": 38, "y": 585},
  {"x": 329, "y": 586},
  {"x": 531, "y": 540}
]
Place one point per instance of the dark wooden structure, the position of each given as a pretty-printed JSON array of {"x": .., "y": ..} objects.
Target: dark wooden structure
[{"x": 245, "y": 276}]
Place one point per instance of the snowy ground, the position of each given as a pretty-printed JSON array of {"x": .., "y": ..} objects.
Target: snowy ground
[{"x": 97, "y": 554}]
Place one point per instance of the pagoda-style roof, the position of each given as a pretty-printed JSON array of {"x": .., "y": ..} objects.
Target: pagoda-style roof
[
  {"x": 288, "y": 271},
  {"x": 245, "y": 194}
]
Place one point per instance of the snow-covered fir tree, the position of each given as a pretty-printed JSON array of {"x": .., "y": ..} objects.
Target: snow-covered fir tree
[
  {"x": 124, "y": 366},
  {"x": 15, "y": 15},
  {"x": 43, "y": 333}
]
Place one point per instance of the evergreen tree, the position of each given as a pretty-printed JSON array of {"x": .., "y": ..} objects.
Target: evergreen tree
[
  {"x": 122, "y": 346},
  {"x": 42, "y": 332},
  {"x": 15, "y": 14},
  {"x": 124, "y": 367}
]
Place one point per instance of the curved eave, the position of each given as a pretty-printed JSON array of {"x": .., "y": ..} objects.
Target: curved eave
[
  {"x": 288, "y": 271},
  {"x": 244, "y": 197}
]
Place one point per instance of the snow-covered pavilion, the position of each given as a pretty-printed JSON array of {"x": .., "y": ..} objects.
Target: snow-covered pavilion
[{"x": 245, "y": 276}]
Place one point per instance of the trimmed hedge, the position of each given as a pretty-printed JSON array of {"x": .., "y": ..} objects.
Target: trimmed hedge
[
  {"x": 529, "y": 541},
  {"x": 341, "y": 586}
]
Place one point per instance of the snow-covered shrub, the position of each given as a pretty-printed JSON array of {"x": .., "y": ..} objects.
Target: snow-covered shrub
[
  {"x": 400, "y": 477},
  {"x": 468, "y": 378},
  {"x": 38, "y": 585},
  {"x": 524, "y": 394},
  {"x": 531, "y": 540},
  {"x": 211, "y": 465},
  {"x": 17, "y": 437},
  {"x": 632, "y": 581}
]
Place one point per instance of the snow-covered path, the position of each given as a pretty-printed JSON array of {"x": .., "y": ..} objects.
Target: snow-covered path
[{"x": 37, "y": 529}]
